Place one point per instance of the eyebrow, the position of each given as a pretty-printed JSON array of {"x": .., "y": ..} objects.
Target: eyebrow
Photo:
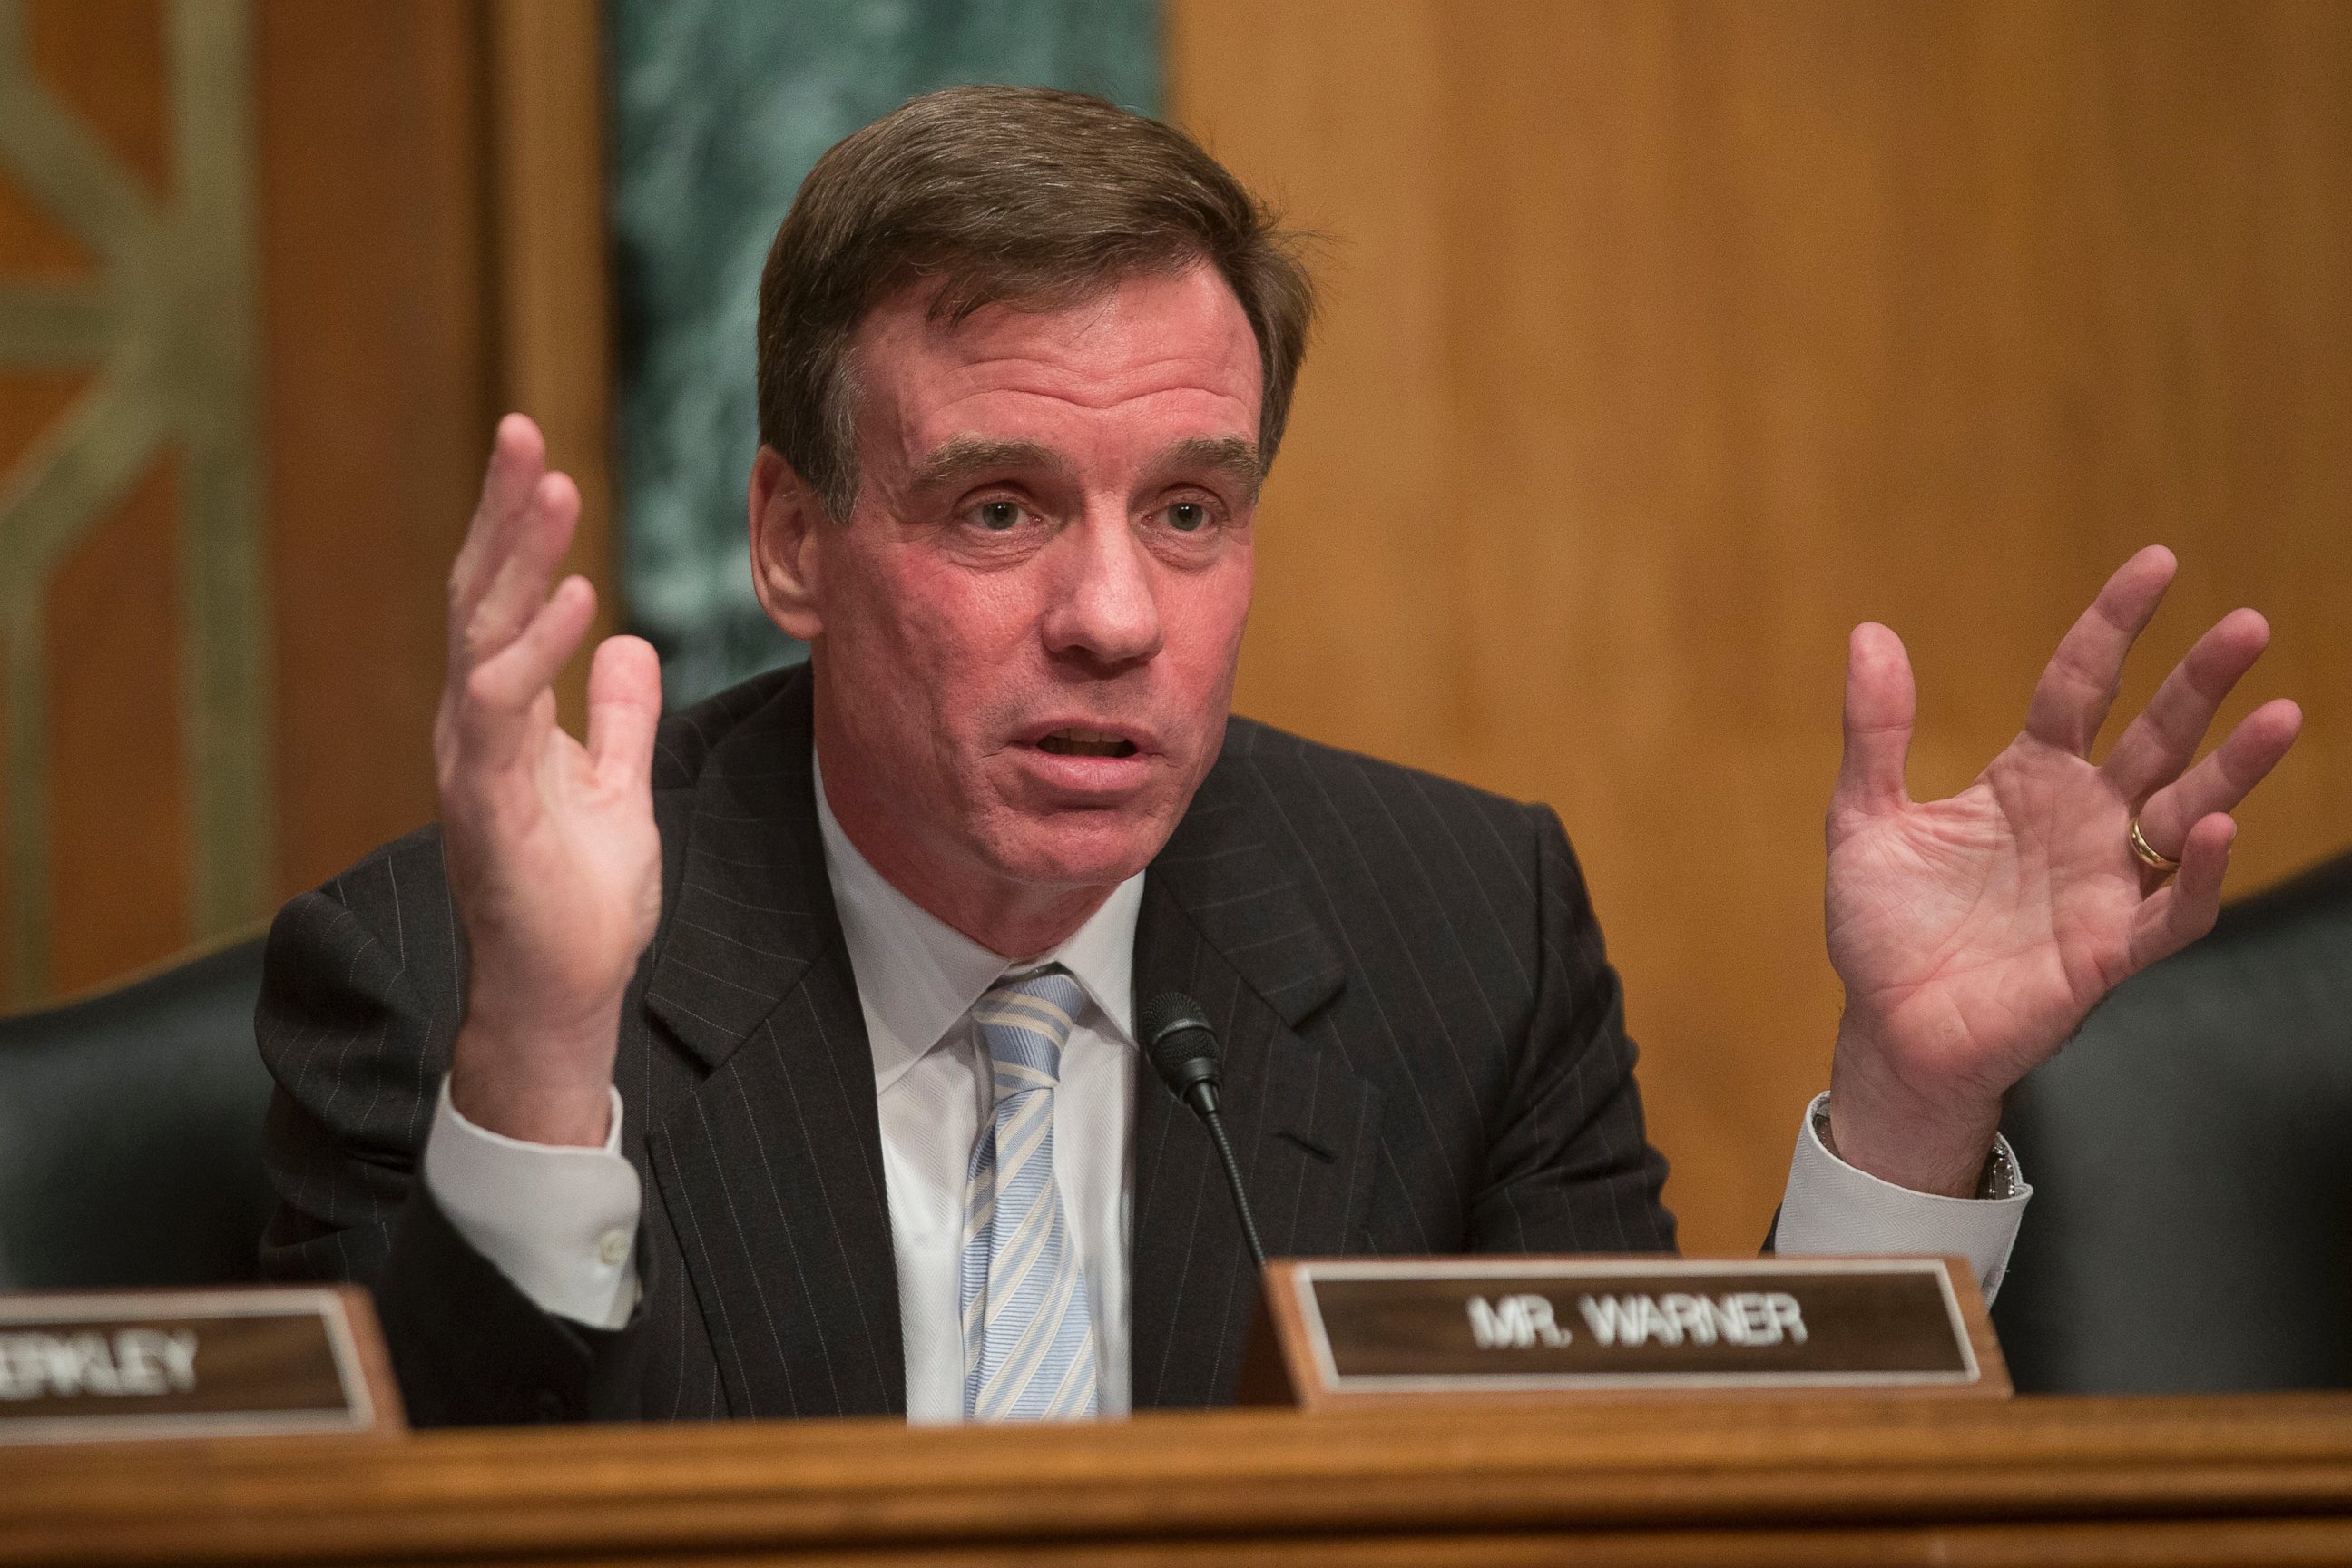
[
  {"x": 962, "y": 458},
  {"x": 1231, "y": 455}
]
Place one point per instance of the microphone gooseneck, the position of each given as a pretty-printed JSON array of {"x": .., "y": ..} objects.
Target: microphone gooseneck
[{"x": 1183, "y": 1050}]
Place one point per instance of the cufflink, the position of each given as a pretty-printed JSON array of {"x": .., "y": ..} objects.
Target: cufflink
[{"x": 1999, "y": 1178}]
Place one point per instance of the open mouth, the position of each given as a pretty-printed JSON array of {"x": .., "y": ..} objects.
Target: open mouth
[{"x": 1077, "y": 742}]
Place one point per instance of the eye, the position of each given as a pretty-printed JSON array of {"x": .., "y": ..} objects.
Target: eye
[
  {"x": 1188, "y": 516},
  {"x": 997, "y": 516}
]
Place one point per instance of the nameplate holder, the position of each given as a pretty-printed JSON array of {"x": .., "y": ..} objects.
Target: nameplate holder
[
  {"x": 1335, "y": 1333},
  {"x": 102, "y": 1365}
]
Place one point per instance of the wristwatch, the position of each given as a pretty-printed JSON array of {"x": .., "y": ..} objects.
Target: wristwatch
[{"x": 1998, "y": 1180}]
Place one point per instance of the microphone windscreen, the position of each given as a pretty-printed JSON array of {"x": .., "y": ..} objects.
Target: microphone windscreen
[{"x": 1176, "y": 1035}]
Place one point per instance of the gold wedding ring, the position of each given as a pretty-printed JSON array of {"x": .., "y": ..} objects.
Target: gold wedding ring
[{"x": 2162, "y": 865}]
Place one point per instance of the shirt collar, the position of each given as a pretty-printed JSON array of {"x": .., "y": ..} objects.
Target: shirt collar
[{"x": 917, "y": 976}]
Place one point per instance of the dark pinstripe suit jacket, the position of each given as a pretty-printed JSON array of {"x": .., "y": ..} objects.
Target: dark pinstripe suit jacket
[{"x": 1425, "y": 1052}]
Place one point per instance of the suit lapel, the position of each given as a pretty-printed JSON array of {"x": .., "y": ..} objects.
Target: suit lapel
[
  {"x": 1225, "y": 921},
  {"x": 770, "y": 1168}
]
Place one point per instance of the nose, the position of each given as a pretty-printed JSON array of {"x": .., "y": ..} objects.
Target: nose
[{"x": 1104, "y": 610}]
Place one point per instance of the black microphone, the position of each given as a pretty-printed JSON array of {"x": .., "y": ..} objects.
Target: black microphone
[{"x": 1183, "y": 1051}]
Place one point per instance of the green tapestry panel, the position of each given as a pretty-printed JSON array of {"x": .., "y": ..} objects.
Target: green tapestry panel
[{"x": 719, "y": 107}]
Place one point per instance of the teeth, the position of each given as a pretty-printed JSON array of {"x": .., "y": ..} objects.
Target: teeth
[{"x": 1077, "y": 742}]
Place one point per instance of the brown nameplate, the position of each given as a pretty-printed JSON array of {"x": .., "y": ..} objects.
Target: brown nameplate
[
  {"x": 85, "y": 1367},
  {"x": 1345, "y": 1331}
]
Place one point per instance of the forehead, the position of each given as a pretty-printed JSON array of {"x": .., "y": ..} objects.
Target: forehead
[{"x": 1150, "y": 356}]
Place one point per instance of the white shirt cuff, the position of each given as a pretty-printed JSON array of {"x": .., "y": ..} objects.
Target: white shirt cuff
[
  {"x": 561, "y": 1222},
  {"x": 1831, "y": 1207}
]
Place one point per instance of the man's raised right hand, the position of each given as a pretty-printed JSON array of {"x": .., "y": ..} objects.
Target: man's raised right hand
[{"x": 552, "y": 856}]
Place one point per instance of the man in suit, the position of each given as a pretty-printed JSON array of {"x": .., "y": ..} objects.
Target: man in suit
[{"x": 780, "y": 1058}]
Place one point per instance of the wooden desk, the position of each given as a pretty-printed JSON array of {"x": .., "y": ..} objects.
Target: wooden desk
[{"x": 1851, "y": 1480}]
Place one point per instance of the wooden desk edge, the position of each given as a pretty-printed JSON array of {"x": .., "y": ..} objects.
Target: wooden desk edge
[{"x": 1813, "y": 1467}]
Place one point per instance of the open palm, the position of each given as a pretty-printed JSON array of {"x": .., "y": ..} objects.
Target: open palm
[
  {"x": 554, "y": 859},
  {"x": 1974, "y": 933}
]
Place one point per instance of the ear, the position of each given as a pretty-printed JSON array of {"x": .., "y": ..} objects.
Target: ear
[{"x": 785, "y": 518}]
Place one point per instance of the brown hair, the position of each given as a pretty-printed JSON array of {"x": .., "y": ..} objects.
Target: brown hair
[{"x": 1022, "y": 196}]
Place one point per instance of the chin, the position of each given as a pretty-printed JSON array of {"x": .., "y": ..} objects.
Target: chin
[{"x": 1070, "y": 851}]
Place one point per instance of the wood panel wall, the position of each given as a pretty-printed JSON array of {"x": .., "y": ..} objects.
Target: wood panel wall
[
  {"x": 427, "y": 218},
  {"x": 434, "y": 255},
  {"x": 377, "y": 290},
  {"x": 1665, "y": 340},
  {"x": 98, "y": 695}
]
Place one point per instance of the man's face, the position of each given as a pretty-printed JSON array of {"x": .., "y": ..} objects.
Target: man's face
[{"x": 1028, "y": 628}]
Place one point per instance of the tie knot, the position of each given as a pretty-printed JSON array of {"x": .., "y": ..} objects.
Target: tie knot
[{"x": 1027, "y": 1019}]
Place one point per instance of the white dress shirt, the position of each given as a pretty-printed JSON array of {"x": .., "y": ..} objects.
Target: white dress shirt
[
  {"x": 561, "y": 1222},
  {"x": 918, "y": 978}
]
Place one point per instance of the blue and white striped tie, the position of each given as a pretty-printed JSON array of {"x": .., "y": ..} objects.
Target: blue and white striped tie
[{"x": 1028, "y": 1329}]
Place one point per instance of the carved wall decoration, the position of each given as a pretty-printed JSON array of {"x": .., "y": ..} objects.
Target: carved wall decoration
[{"x": 166, "y": 325}]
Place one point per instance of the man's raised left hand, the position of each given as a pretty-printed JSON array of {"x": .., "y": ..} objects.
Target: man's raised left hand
[{"x": 1974, "y": 934}]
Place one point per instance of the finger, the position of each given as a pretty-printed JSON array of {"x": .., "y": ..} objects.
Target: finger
[
  {"x": 500, "y": 715},
  {"x": 2162, "y": 740},
  {"x": 2078, "y": 685},
  {"x": 517, "y": 461},
  {"x": 624, "y": 710},
  {"x": 2229, "y": 772},
  {"x": 2184, "y": 908},
  {"x": 1880, "y": 705},
  {"x": 519, "y": 583}
]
